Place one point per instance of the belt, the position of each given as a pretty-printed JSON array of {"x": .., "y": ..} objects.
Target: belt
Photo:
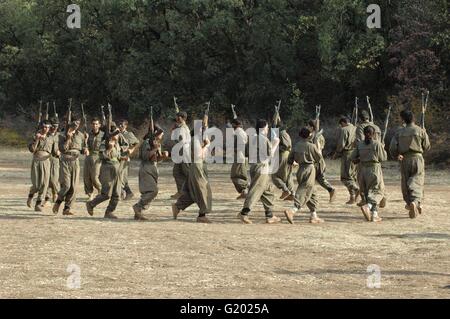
[
  {"x": 41, "y": 155},
  {"x": 369, "y": 164},
  {"x": 412, "y": 154},
  {"x": 69, "y": 156}
]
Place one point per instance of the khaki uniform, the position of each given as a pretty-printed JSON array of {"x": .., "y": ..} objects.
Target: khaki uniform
[
  {"x": 261, "y": 186},
  {"x": 53, "y": 185},
  {"x": 148, "y": 176},
  {"x": 283, "y": 177},
  {"x": 69, "y": 172},
  {"x": 411, "y": 141},
  {"x": 308, "y": 156},
  {"x": 239, "y": 168},
  {"x": 181, "y": 170},
  {"x": 370, "y": 177},
  {"x": 111, "y": 184},
  {"x": 345, "y": 147},
  {"x": 319, "y": 141},
  {"x": 92, "y": 163},
  {"x": 40, "y": 166},
  {"x": 197, "y": 188},
  {"x": 129, "y": 140}
]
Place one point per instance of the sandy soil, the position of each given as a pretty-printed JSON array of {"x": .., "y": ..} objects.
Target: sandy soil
[{"x": 164, "y": 258}]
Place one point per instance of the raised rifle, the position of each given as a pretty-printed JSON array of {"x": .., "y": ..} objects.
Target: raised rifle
[
  {"x": 46, "y": 111},
  {"x": 40, "y": 114},
  {"x": 424, "y": 108},
  {"x": 233, "y": 109},
  {"x": 177, "y": 109},
  {"x": 386, "y": 123},
  {"x": 355, "y": 112},
  {"x": 69, "y": 115},
  {"x": 103, "y": 115},
  {"x": 54, "y": 110},
  {"x": 151, "y": 132},
  {"x": 318, "y": 132},
  {"x": 276, "y": 116},
  {"x": 370, "y": 109}
]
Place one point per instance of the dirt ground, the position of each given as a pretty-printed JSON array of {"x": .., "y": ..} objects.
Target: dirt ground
[{"x": 164, "y": 258}]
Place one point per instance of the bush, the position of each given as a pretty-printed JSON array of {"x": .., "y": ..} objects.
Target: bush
[{"x": 9, "y": 137}]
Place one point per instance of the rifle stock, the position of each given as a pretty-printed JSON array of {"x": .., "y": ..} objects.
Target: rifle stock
[
  {"x": 54, "y": 110},
  {"x": 47, "y": 111},
  {"x": 177, "y": 109},
  {"x": 233, "y": 109},
  {"x": 386, "y": 123},
  {"x": 369, "y": 106}
]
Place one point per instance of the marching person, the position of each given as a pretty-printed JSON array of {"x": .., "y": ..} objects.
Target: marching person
[
  {"x": 71, "y": 145},
  {"x": 344, "y": 148},
  {"x": 196, "y": 188},
  {"x": 53, "y": 185},
  {"x": 150, "y": 154},
  {"x": 42, "y": 147},
  {"x": 128, "y": 143},
  {"x": 319, "y": 140},
  {"x": 239, "y": 168},
  {"x": 369, "y": 154},
  {"x": 261, "y": 185},
  {"x": 93, "y": 162},
  {"x": 364, "y": 118},
  {"x": 408, "y": 146},
  {"x": 181, "y": 133},
  {"x": 282, "y": 179},
  {"x": 110, "y": 177},
  {"x": 308, "y": 156}
]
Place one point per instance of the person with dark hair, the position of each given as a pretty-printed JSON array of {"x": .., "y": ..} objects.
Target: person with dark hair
[
  {"x": 407, "y": 146},
  {"x": 239, "y": 168},
  {"x": 71, "y": 145},
  {"x": 369, "y": 154},
  {"x": 196, "y": 189},
  {"x": 180, "y": 133},
  {"x": 128, "y": 143},
  {"x": 318, "y": 139},
  {"x": 308, "y": 156},
  {"x": 110, "y": 175},
  {"x": 93, "y": 162},
  {"x": 282, "y": 179},
  {"x": 42, "y": 147},
  {"x": 150, "y": 154},
  {"x": 53, "y": 184},
  {"x": 363, "y": 123},
  {"x": 344, "y": 148},
  {"x": 261, "y": 186}
]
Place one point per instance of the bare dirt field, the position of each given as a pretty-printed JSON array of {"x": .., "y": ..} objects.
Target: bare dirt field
[{"x": 164, "y": 258}]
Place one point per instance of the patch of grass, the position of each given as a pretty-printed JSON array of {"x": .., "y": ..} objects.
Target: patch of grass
[{"x": 11, "y": 138}]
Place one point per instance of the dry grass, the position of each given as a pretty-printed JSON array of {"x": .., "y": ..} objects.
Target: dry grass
[{"x": 167, "y": 259}]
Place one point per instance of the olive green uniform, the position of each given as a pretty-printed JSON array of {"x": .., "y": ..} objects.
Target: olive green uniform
[
  {"x": 411, "y": 141},
  {"x": 345, "y": 147},
  {"x": 283, "y": 177},
  {"x": 92, "y": 163},
  {"x": 40, "y": 166},
  {"x": 239, "y": 168},
  {"x": 261, "y": 186},
  {"x": 370, "y": 177},
  {"x": 319, "y": 141},
  {"x": 110, "y": 176},
  {"x": 53, "y": 185},
  {"x": 309, "y": 158},
  {"x": 197, "y": 188},
  {"x": 181, "y": 170},
  {"x": 69, "y": 172},
  {"x": 127, "y": 141},
  {"x": 148, "y": 176}
]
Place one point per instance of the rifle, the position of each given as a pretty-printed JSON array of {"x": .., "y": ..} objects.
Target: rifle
[
  {"x": 54, "y": 110},
  {"x": 276, "y": 116},
  {"x": 370, "y": 109},
  {"x": 177, "y": 109},
  {"x": 40, "y": 114},
  {"x": 103, "y": 116},
  {"x": 69, "y": 116},
  {"x": 151, "y": 132},
  {"x": 386, "y": 123},
  {"x": 424, "y": 108},
  {"x": 46, "y": 112},
  {"x": 109, "y": 123},
  {"x": 234, "y": 111},
  {"x": 355, "y": 112},
  {"x": 318, "y": 107},
  {"x": 206, "y": 117},
  {"x": 84, "y": 118}
]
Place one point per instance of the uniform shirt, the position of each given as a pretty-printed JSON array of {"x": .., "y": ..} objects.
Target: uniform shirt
[
  {"x": 305, "y": 153},
  {"x": 360, "y": 131},
  {"x": 110, "y": 156},
  {"x": 45, "y": 145},
  {"x": 240, "y": 144},
  {"x": 75, "y": 144},
  {"x": 318, "y": 140},
  {"x": 373, "y": 152},
  {"x": 285, "y": 141},
  {"x": 144, "y": 151},
  {"x": 127, "y": 140},
  {"x": 94, "y": 141},
  {"x": 409, "y": 139},
  {"x": 260, "y": 149},
  {"x": 346, "y": 139}
]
